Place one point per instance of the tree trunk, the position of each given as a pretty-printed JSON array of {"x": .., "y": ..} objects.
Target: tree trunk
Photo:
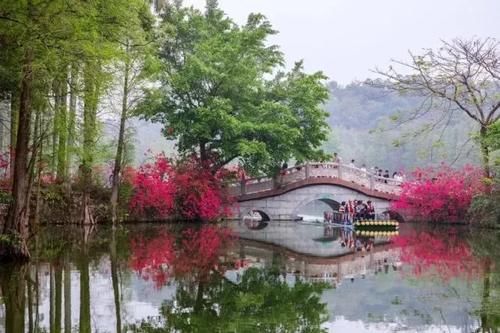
[
  {"x": 485, "y": 301},
  {"x": 55, "y": 127},
  {"x": 30, "y": 286},
  {"x": 39, "y": 163},
  {"x": 14, "y": 123},
  {"x": 62, "y": 129},
  {"x": 71, "y": 117},
  {"x": 121, "y": 142},
  {"x": 67, "y": 296},
  {"x": 84, "y": 292},
  {"x": 52, "y": 299},
  {"x": 114, "y": 279},
  {"x": 13, "y": 285},
  {"x": 485, "y": 153},
  {"x": 16, "y": 225},
  {"x": 89, "y": 135},
  {"x": 58, "y": 297}
]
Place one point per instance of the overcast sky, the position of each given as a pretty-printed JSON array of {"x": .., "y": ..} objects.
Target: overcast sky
[{"x": 347, "y": 38}]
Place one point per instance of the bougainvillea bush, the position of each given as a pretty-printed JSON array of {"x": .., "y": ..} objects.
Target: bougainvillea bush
[
  {"x": 186, "y": 190},
  {"x": 439, "y": 194}
]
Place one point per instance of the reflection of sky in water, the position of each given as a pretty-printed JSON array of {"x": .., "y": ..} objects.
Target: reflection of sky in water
[
  {"x": 390, "y": 300},
  {"x": 140, "y": 299}
]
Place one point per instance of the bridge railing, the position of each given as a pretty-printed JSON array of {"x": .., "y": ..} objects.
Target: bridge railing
[{"x": 316, "y": 170}]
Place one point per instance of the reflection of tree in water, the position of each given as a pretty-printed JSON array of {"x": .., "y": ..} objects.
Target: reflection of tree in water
[
  {"x": 446, "y": 254},
  {"x": 486, "y": 244},
  {"x": 206, "y": 301},
  {"x": 261, "y": 302}
]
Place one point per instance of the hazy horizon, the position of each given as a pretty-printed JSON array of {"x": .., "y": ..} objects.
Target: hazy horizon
[{"x": 347, "y": 39}]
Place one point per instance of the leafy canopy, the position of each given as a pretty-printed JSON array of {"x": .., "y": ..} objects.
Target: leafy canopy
[{"x": 223, "y": 94}]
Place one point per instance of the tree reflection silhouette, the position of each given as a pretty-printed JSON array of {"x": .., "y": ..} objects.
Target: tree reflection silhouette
[
  {"x": 261, "y": 302},
  {"x": 207, "y": 301}
]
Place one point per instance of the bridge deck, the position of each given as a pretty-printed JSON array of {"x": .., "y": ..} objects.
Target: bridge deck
[{"x": 316, "y": 174}]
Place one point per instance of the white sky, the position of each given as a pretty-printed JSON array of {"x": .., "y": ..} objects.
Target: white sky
[{"x": 347, "y": 38}]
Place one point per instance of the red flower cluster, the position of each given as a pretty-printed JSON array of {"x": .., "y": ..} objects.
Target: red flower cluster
[
  {"x": 439, "y": 194},
  {"x": 154, "y": 191},
  {"x": 433, "y": 254},
  {"x": 197, "y": 254},
  {"x": 188, "y": 190}
]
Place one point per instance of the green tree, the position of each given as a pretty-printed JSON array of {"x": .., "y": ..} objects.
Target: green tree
[
  {"x": 223, "y": 95},
  {"x": 136, "y": 66}
]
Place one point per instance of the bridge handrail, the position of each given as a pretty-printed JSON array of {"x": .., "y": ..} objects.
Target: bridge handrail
[{"x": 305, "y": 171}]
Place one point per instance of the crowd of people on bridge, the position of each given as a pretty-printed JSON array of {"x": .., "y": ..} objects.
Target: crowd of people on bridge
[
  {"x": 375, "y": 171},
  {"x": 351, "y": 211}
]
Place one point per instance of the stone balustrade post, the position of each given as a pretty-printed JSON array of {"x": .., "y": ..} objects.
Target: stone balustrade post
[
  {"x": 243, "y": 189},
  {"x": 372, "y": 181},
  {"x": 340, "y": 170},
  {"x": 308, "y": 170}
]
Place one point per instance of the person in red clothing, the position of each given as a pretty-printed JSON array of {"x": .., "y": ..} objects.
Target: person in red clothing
[{"x": 350, "y": 211}]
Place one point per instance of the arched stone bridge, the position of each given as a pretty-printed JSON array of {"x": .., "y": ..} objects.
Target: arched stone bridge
[{"x": 281, "y": 198}]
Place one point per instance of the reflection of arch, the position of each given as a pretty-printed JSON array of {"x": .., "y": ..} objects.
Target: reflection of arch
[
  {"x": 264, "y": 217},
  {"x": 256, "y": 225},
  {"x": 394, "y": 216}
]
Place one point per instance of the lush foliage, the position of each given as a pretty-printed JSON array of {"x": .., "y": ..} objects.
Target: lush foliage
[
  {"x": 186, "y": 190},
  {"x": 439, "y": 194},
  {"x": 196, "y": 253},
  {"x": 223, "y": 93}
]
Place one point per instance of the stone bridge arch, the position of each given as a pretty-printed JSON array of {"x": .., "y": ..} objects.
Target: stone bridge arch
[
  {"x": 325, "y": 198},
  {"x": 284, "y": 204}
]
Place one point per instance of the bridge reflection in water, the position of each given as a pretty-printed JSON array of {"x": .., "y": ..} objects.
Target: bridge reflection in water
[{"x": 314, "y": 253}]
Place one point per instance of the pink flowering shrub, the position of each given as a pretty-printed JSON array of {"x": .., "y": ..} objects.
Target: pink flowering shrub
[
  {"x": 439, "y": 194},
  {"x": 186, "y": 190}
]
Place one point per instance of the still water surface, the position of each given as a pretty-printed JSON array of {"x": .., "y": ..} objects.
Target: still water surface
[{"x": 280, "y": 277}]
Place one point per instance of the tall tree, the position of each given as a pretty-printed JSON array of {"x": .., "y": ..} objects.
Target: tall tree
[
  {"x": 461, "y": 76},
  {"x": 218, "y": 97},
  {"x": 136, "y": 64}
]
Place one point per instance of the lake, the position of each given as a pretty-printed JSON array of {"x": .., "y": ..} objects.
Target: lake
[{"x": 254, "y": 277}]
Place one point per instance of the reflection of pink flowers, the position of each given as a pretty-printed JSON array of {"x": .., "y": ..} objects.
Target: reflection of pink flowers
[
  {"x": 196, "y": 253},
  {"x": 151, "y": 258},
  {"x": 444, "y": 255},
  {"x": 439, "y": 194}
]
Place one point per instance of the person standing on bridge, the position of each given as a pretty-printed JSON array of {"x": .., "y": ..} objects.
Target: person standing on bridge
[
  {"x": 350, "y": 211},
  {"x": 370, "y": 210},
  {"x": 342, "y": 212}
]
